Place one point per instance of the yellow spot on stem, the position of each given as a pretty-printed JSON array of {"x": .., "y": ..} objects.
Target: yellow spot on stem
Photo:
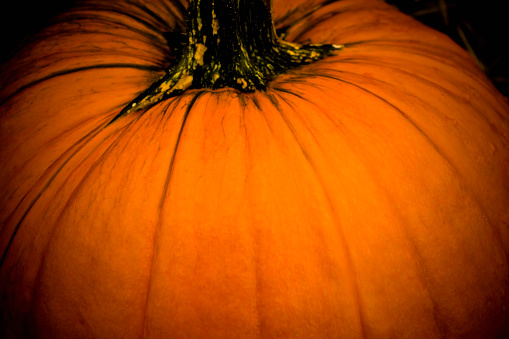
[
  {"x": 198, "y": 54},
  {"x": 215, "y": 23},
  {"x": 184, "y": 82},
  {"x": 242, "y": 82}
]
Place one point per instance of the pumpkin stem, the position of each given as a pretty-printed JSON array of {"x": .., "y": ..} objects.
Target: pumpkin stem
[{"x": 230, "y": 43}]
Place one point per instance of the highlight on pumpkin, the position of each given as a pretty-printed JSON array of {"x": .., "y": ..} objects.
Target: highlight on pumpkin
[{"x": 360, "y": 191}]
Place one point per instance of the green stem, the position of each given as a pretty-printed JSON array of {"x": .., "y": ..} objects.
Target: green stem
[{"x": 230, "y": 43}]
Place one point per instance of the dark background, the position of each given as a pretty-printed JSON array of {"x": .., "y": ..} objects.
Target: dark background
[
  {"x": 21, "y": 18},
  {"x": 482, "y": 28}
]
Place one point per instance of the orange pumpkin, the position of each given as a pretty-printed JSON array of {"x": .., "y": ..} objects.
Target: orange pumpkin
[{"x": 363, "y": 195}]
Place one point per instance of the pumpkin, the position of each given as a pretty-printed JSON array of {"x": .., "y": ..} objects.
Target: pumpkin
[{"x": 362, "y": 195}]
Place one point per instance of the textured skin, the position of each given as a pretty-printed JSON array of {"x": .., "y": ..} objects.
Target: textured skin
[{"x": 364, "y": 195}]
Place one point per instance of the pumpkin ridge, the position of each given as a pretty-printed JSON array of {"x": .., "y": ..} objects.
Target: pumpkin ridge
[
  {"x": 34, "y": 292},
  {"x": 154, "y": 15},
  {"x": 330, "y": 206},
  {"x": 261, "y": 322},
  {"x": 430, "y": 108},
  {"x": 286, "y": 21},
  {"x": 422, "y": 268},
  {"x": 472, "y": 193},
  {"x": 403, "y": 114},
  {"x": 72, "y": 71},
  {"x": 312, "y": 102},
  {"x": 40, "y": 192},
  {"x": 260, "y": 110},
  {"x": 426, "y": 55},
  {"x": 428, "y": 80},
  {"x": 180, "y": 9},
  {"x": 94, "y": 16},
  {"x": 310, "y": 25},
  {"x": 136, "y": 18},
  {"x": 189, "y": 107},
  {"x": 116, "y": 136},
  {"x": 63, "y": 159},
  {"x": 480, "y": 207}
]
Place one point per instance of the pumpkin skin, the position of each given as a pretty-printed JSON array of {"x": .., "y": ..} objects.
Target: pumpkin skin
[{"x": 364, "y": 195}]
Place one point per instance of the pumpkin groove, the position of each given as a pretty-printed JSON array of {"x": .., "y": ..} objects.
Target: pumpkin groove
[{"x": 364, "y": 195}]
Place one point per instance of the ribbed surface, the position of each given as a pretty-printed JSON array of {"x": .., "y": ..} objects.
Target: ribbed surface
[{"x": 362, "y": 196}]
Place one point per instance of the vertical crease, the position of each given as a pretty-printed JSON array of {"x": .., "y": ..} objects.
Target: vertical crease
[
  {"x": 331, "y": 208},
  {"x": 440, "y": 325},
  {"x": 79, "y": 185},
  {"x": 256, "y": 245},
  {"x": 73, "y": 150},
  {"x": 164, "y": 194}
]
